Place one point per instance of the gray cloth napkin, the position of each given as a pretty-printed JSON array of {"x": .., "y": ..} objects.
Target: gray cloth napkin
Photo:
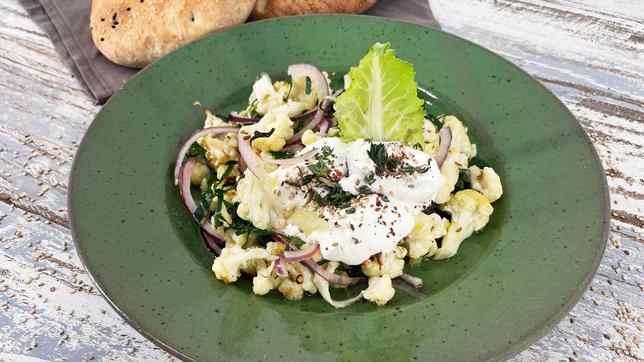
[{"x": 67, "y": 24}]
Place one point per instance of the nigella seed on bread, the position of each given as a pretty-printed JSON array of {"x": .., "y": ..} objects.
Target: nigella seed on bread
[
  {"x": 134, "y": 33},
  {"x": 265, "y": 9}
]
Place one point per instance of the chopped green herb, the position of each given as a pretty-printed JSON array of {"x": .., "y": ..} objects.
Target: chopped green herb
[
  {"x": 241, "y": 226},
  {"x": 370, "y": 178},
  {"x": 408, "y": 169},
  {"x": 327, "y": 151},
  {"x": 335, "y": 196},
  {"x": 279, "y": 155},
  {"x": 418, "y": 146},
  {"x": 364, "y": 189},
  {"x": 307, "y": 179},
  {"x": 392, "y": 163},
  {"x": 384, "y": 198},
  {"x": 463, "y": 179},
  {"x": 230, "y": 165},
  {"x": 326, "y": 182},
  {"x": 252, "y": 111},
  {"x": 378, "y": 154},
  {"x": 317, "y": 197},
  {"x": 351, "y": 210},
  {"x": 318, "y": 169},
  {"x": 203, "y": 207},
  {"x": 355, "y": 241},
  {"x": 218, "y": 216},
  {"x": 338, "y": 198},
  {"x": 297, "y": 242},
  {"x": 196, "y": 150},
  {"x": 422, "y": 169}
]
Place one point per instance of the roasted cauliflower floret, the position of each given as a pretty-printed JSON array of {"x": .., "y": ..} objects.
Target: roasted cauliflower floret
[
  {"x": 265, "y": 280},
  {"x": 380, "y": 290},
  {"x": 291, "y": 290},
  {"x": 199, "y": 172},
  {"x": 298, "y": 92},
  {"x": 422, "y": 239},
  {"x": 258, "y": 204},
  {"x": 300, "y": 280},
  {"x": 487, "y": 182},
  {"x": 227, "y": 266},
  {"x": 431, "y": 140},
  {"x": 275, "y": 248},
  {"x": 470, "y": 212},
  {"x": 459, "y": 136},
  {"x": 460, "y": 151},
  {"x": 219, "y": 151},
  {"x": 388, "y": 264},
  {"x": 267, "y": 96},
  {"x": 214, "y": 121},
  {"x": 232, "y": 237},
  {"x": 277, "y": 124}
]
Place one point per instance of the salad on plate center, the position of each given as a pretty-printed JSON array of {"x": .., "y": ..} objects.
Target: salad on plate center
[{"x": 311, "y": 187}]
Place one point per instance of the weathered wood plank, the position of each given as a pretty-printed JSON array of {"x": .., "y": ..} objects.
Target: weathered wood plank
[{"x": 49, "y": 307}]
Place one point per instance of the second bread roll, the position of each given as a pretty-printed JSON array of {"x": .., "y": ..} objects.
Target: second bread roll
[{"x": 265, "y": 9}]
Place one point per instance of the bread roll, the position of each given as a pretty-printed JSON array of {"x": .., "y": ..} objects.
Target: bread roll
[
  {"x": 265, "y": 9},
  {"x": 136, "y": 32}
]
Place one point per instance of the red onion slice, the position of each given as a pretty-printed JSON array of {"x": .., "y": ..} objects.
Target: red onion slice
[
  {"x": 319, "y": 116},
  {"x": 280, "y": 268},
  {"x": 299, "y": 255},
  {"x": 211, "y": 242},
  {"x": 400, "y": 284},
  {"x": 323, "y": 288},
  {"x": 290, "y": 161},
  {"x": 329, "y": 276},
  {"x": 249, "y": 155},
  {"x": 305, "y": 115},
  {"x": 445, "y": 135},
  {"x": 313, "y": 73},
  {"x": 412, "y": 280},
  {"x": 234, "y": 117},
  {"x": 192, "y": 139},
  {"x": 189, "y": 202},
  {"x": 184, "y": 187},
  {"x": 324, "y": 126},
  {"x": 295, "y": 147}
]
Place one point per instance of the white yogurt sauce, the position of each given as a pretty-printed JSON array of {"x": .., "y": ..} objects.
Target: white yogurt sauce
[{"x": 374, "y": 222}]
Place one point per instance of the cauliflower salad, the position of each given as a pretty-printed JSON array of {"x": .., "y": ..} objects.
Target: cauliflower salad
[{"x": 311, "y": 188}]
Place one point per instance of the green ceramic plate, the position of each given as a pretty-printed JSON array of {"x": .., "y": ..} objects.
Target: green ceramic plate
[{"x": 505, "y": 288}]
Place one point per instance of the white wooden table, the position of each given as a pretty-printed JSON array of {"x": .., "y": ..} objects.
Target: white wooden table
[{"x": 590, "y": 53}]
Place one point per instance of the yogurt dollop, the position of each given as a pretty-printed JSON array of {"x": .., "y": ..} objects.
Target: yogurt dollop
[{"x": 382, "y": 205}]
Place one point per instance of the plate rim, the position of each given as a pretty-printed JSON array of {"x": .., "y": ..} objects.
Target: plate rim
[{"x": 540, "y": 331}]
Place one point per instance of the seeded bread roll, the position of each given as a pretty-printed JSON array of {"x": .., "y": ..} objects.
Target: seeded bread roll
[
  {"x": 265, "y": 9},
  {"x": 136, "y": 32}
]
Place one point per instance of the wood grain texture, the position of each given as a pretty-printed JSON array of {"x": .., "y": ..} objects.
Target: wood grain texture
[{"x": 589, "y": 53}]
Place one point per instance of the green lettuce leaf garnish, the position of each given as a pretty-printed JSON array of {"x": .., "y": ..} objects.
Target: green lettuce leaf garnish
[{"x": 381, "y": 102}]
